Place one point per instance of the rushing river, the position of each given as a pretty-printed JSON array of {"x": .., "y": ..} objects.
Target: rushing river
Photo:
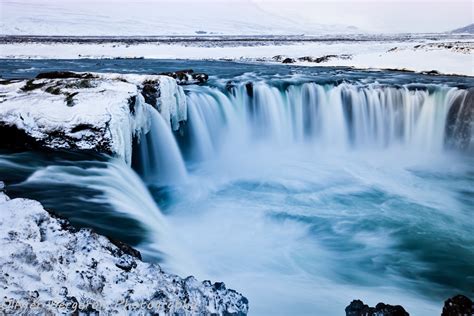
[{"x": 302, "y": 188}]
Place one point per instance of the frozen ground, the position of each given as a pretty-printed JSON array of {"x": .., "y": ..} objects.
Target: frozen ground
[{"x": 444, "y": 54}]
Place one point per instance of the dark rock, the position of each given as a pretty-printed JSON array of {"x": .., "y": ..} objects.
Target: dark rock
[
  {"x": 70, "y": 98},
  {"x": 126, "y": 263},
  {"x": 306, "y": 58},
  {"x": 126, "y": 248},
  {"x": 229, "y": 86},
  {"x": 17, "y": 139},
  {"x": 431, "y": 72},
  {"x": 63, "y": 291},
  {"x": 84, "y": 127},
  {"x": 458, "y": 305},
  {"x": 53, "y": 90},
  {"x": 278, "y": 58},
  {"x": 200, "y": 77},
  {"x": 64, "y": 75},
  {"x": 219, "y": 286},
  {"x": 358, "y": 308},
  {"x": 150, "y": 92},
  {"x": 90, "y": 311},
  {"x": 249, "y": 88},
  {"x": 389, "y": 310},
  {"x": 31, "y": 85},
  {"x": 80, "y": 84},
  {"x": 187, "y": 76},
  {"x": 7, "y": 81},
  {"x": 288, "y": 60},
  {"x": 325, "y": 58},
  {"x": 131, "y": 104}
]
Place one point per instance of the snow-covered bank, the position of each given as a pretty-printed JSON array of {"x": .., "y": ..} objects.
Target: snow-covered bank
[
  {"x": 445, "y": 56},
  {"x": 98, "y": 112},
  {"x": 48, "y": 267}
]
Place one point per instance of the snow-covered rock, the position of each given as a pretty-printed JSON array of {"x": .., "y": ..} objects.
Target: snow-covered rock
[
  {"x": 49, "y": 268},
  {"x": 85, "y": 111}
]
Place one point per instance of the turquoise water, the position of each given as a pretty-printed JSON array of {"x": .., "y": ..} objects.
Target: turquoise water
[
  {"x": 304, "y": 232},
  {"x": 300, "y": 216}
]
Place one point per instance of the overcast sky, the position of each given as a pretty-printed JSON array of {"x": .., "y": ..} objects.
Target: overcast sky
[
  {"x": 380, "y": 15},
  {"x": 148, "y": 17}
]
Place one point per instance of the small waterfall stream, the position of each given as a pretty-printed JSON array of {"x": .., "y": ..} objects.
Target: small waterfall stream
[{"x": 160, "y": 161}]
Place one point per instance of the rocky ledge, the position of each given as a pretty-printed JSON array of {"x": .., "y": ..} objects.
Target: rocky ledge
[
  {"x": 86, "y": 111},
  {"x": 358, "y": 308},
  {"x": 458, "y": 305},
  {"x": 50, "y": 268}
]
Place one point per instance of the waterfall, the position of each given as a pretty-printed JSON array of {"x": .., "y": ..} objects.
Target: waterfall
[
  {"x": 329, "y": 117},
  {"x": 159, "y": 159},
  {"x": 120, "y": 187}
]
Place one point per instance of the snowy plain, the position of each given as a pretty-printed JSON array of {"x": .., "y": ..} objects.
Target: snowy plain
[{"x": 420, "y": 56}]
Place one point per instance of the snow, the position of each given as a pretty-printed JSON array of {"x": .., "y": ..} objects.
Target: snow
[
  {"x": 106, "y": 112},
  {"x": 49, "y": 267},
  {"x": 365, "y": 54},
  {"x": 99, "y": 18},
  {"x": 443, "y": 61}
]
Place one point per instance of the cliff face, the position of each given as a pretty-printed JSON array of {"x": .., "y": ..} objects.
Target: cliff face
[
  {"x": 48, "y": 267},
  {"x": 84, "y": 111}
]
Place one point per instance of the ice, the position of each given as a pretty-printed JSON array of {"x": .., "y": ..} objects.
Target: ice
[{"x": 105, "y": 114}]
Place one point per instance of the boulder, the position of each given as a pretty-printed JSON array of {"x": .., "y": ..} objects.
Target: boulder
[
  {"x": 458, "y": 305},
  {"x": 187, "y": 76},
  {"x": 288, "y": 60},
  {"x": 358, "y": 308}
]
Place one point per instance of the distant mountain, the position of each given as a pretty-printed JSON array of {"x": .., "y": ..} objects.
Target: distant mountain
[{"x": 467, "y": 29}]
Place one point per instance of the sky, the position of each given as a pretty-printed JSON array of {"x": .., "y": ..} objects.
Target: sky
[
  {"x": 381, "y": 16},
  {"x": 165, "y": 17}
]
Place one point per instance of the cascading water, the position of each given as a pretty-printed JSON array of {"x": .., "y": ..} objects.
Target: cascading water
[
  {"x": 120, "y": 187},
  {"x": 330, "y": 117},
  {"x": 306, "y": 196},
  {"x": 159, "y": 159}
]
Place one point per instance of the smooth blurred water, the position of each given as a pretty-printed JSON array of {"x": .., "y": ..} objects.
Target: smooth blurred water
[
  {"x": 227, "y": 70},
  {"x": 300, "y": 217},
  {"x": 305, "y": 232}
]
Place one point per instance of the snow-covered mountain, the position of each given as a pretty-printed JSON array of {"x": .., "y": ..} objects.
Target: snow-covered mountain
[
  {"x": 118, "y": 18},
  {"x": 466, "y": 29}
]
